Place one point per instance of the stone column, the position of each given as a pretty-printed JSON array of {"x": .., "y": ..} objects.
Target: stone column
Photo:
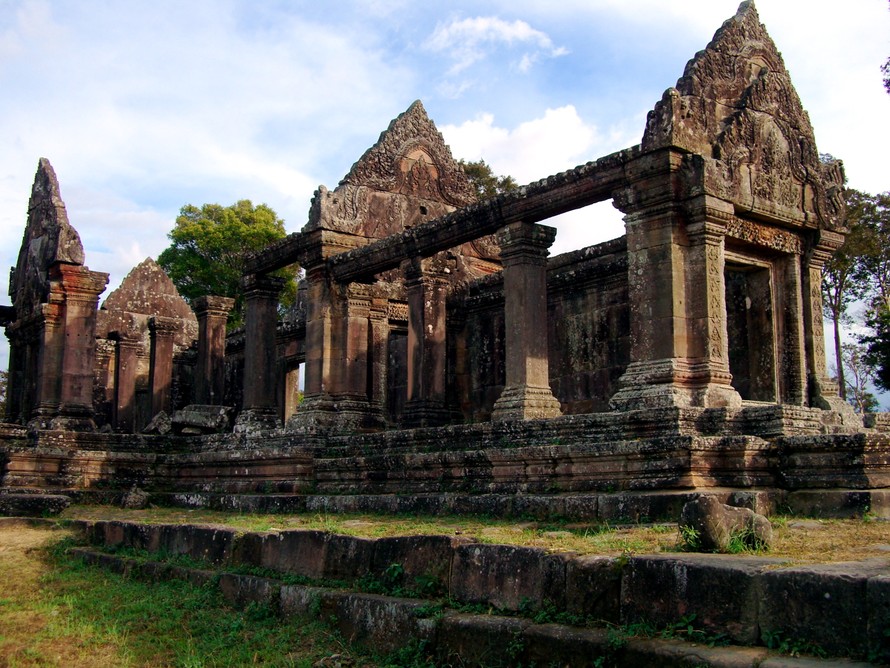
[
  {"x": 210, "y": 373},
  {"x": 793, "y": 371},
  {"x": 379, "y": 353},
  {"x": 337, "y": 336},
  {"x": 318, "y": 409},
  {"x": 125, "y": 363},
  {"x": 44, "y": 368},
  {"x": 82, "y": 288},
  {"x": 427, "y": 286},
  {"x": 823, "y": 390},
  {"x": 527, "y": 393},
  {"x": 160, "y": 370},
  {"x": 261, "y": 318}
]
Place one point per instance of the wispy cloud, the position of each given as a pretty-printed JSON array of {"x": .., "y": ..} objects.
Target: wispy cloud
[{"x": 467, "y": 41}]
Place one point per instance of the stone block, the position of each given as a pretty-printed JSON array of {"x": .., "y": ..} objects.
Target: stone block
[
  {"x": 347, "y": 557},
  {"x": 508, "y": 577},
  {"x": 379, "y": 623},
  {"x": 424, "y": 562},
  {"x": 477, "y": 640},
  {"x": 299, "y": 600},
  {"x": 298, "y": 552},
  {"x": 878, "y": 601},
  {"x": 204, "y": 543},
  {"x": 553, "y": 644},
  {"x": 823, "y": 606},
  {"x": 201, "y": 419},
  {"x": 593, "y": 588},
  {"x": 839, "y": 503},
  {"x": 32, "y": 505},
  {"x": 721, "y": 592},
  {"x": 658, "y": 653},
  {"x": 581, "y": 508},
  {"x": 241, "y": 590}
]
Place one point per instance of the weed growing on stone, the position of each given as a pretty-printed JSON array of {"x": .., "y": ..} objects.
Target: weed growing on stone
[{"x": 689, "y": 538}]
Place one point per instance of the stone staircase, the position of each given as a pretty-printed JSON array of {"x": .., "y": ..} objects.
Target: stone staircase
[{"x": 475, "y": 604}]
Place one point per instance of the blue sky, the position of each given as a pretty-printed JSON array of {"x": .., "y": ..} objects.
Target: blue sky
[{"x": 144, "y": 106}]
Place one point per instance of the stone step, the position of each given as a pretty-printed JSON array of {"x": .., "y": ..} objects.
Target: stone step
[
  {"x": 842, "y": 609},
  {"x": 31, "y": 504}
]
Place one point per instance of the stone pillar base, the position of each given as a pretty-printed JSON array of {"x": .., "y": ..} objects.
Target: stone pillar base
[
  {"x": 72, "y": 423},
  {"x": 824, "y": 395},
  {"x": 525, "y": 403},
  {"x": 674, "y": 383},
  {"x": 325, "y": 413},
  {"x": 425, "y": 413},
  {"x": 253, "y": 421}
]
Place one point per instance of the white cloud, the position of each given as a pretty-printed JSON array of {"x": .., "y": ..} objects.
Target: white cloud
[
  {"x": 467, "y": 41},
  {"x": 555, "y": 142}
]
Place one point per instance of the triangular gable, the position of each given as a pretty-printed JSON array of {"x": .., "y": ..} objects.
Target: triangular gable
[
  {"x": 735, "y": 103},
  {"x": 49, "y": 238}
]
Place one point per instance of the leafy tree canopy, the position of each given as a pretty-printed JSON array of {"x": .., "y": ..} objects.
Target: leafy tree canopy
[
  {"x": 209, "y": 246},
  {"x": 485, "y": 181}
]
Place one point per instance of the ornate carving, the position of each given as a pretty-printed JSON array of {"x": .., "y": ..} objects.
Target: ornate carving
[
  {"x": 716, "y": 298},
  {"x": 735, "y": 104},
  {"x": 412, "y": 155},
  {"x": 763, "y": 235},
  {"x": 397, "y": 312}
]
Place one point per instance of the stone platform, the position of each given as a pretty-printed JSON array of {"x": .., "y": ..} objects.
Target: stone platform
[{"x": 638, "y": 464}]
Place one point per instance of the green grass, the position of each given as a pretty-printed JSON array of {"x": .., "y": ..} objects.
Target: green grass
[{"x": 80, "y": 612}]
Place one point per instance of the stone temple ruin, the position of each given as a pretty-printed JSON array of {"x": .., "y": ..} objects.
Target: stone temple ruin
[{"x": 450, "y": 364}]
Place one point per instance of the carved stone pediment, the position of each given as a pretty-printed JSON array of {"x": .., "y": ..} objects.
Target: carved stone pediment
[
  {"x": 407, "y": 178},
  {"x": 735, "y": 105},
  {"x": 49, "y": 238}
]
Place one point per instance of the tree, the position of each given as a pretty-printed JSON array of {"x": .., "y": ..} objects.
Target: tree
[
  {"x": 877, "y": 347},
  {"x": 885, "y": 70},
  {"x": 485, "y": 181},
  {"x": 209, "y": 247},
  {"x": 844, "y": 276},
  {"x": 860, "y": 375}
]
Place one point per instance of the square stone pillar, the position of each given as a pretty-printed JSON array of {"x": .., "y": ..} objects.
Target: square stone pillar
[
  {"x": 160, "y": 370},
  {"x": 210, "y": 372},
  {"x": 527, "y": 394},
  {"x": 43, "y": 376},
  {"x": 125, "y": 364},
  {"x": 378, "y": 352},
  {"x": 337, "y": 362},
  {"x": 823, "y": 391},
  {"x": 677, "y": 293},
  {"x": 427, "y": 284},
  {"x": 260, "y": 409},
  {"x": 81, "y": 288}
]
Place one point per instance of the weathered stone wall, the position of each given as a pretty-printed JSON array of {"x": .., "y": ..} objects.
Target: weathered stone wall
[{"x": 588, "y": 333}]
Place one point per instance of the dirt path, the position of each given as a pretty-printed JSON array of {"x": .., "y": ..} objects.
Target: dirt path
[{"x": 34, "y": 627}]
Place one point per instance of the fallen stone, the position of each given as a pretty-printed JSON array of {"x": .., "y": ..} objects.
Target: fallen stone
[
  {"x": 161, "y": 424},
  {"x": 135, "y": 499},
  {"x": 198, "y": 419},
  {"x": 708, "y": 525}
]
